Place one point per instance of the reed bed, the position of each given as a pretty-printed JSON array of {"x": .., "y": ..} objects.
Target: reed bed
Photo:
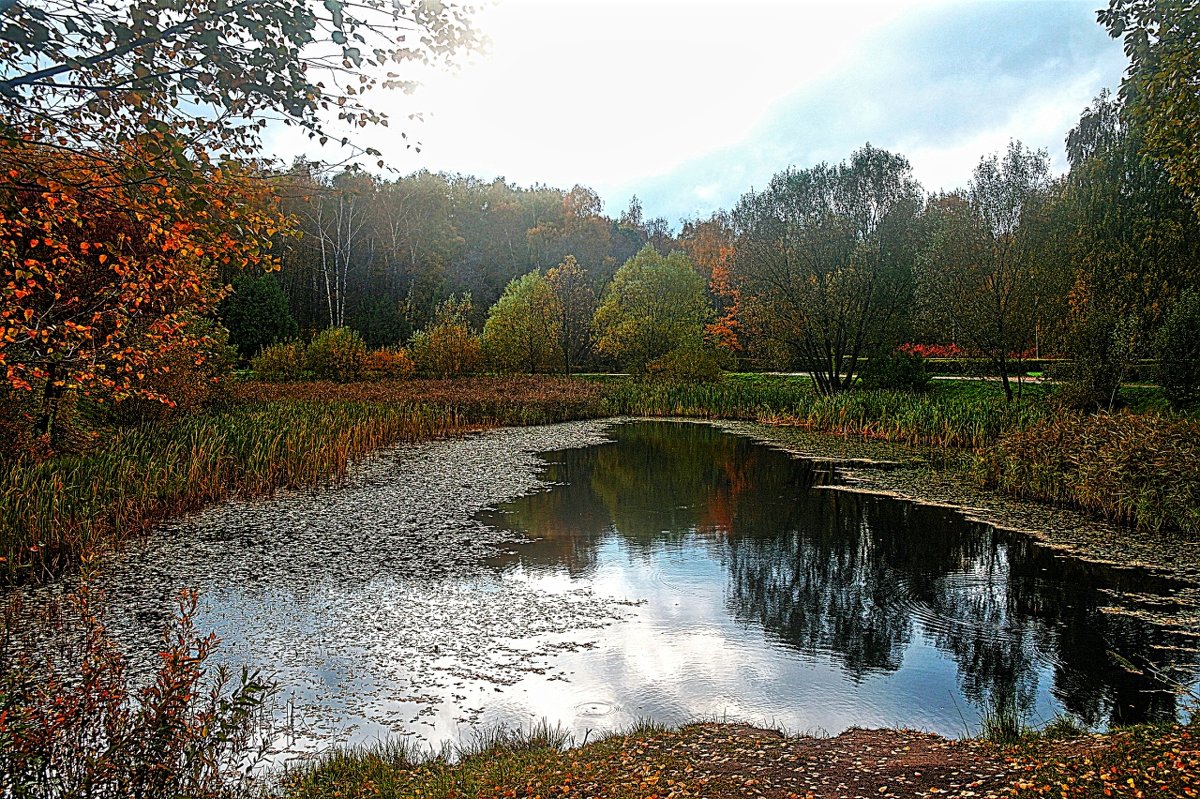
[
  {"x": 67, "y": 509},
  {"x": 950, "y": 418},
  {"x": 1136, "y": 469}
]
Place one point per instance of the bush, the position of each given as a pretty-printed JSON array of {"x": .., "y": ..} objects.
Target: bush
[
  {"x": 192, "y": 378},
  {"x": 1102, "y": 350},
  {"x": 896, "y": 371},
  {"x": 337, "y": 353},
  {"x": 256, "y": 314},
  {"x": 1179, "y": 353},
  {"x": 689, "y": 363},
  {"x": 72, "y": 723},
  {"x": 448, "y": 347},
  {"x": 280, "y": 362},
  {"x": 387, "y": 363}
]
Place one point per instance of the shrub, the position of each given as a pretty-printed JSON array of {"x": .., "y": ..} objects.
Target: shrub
[
  {"x": 689, "y": 363},
  {"x": 1139, "y": 469},
  {"x": 279, "y": 362},
  {"x": 337, "y": 353},
  {"x": 192, "y": 378},
  {"x": 73, "y": 724},
  {"x": 902, "y": 370},
  {"x": 1179, "y": 353},
  {"x": 448, "y": 347},
  {"x": 387, "y": 363},
  {"x": 256, "y": 314}
]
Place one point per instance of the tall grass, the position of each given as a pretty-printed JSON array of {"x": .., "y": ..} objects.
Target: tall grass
[
  {"x": 66, "y": 509},
  {"x": 943, "y": 417},
  {"x": 1137, "y": 469}
]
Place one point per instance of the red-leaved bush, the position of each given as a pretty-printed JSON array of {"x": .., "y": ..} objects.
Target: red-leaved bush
[{"x": 74, "y": 723}]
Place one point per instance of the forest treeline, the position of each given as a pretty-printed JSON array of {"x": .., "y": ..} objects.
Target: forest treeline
[
  {"x": 822, "y": 270},
  {"x": 147, "y": 249}
]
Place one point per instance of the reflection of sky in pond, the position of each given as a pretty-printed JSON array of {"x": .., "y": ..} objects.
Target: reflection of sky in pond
[
  {"x": 769, "y": 600},
  {"x": 678, "y": 573}
]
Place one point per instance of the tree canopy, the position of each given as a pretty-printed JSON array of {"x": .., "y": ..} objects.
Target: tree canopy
[
  {"x": 655, "y": 304},
  {"x": 822, "y": 262}
]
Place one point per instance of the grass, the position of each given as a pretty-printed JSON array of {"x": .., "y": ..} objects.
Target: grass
[
  {"x": 501, "y": 762},
  {"x": 66, "y": 510},
  {"x": 728, "y": 760},
  {"x": 1137, "y": 469},
  {"x": 1142, "y": 761},
  {"x": 959, "y": 414}
]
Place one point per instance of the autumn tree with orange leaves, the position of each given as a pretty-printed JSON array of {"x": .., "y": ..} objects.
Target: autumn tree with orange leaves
[{"x": 100, "y": 286}]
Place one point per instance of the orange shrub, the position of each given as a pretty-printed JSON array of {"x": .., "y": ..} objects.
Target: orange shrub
[{"x": 387, "y": 363}]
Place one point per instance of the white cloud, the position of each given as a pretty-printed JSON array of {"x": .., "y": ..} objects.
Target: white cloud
[{"x": 682, "y": 102}]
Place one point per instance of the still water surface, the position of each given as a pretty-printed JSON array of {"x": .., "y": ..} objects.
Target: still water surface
[
  {"x": 664, "y": 570},
  {"x": 769, "y": 597}
]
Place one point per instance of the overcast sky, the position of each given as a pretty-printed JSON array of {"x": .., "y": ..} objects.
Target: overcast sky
[{"x": 690, "y": 104}]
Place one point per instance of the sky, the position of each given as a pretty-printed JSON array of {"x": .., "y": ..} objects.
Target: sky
[{"x": 689, "y": 105}]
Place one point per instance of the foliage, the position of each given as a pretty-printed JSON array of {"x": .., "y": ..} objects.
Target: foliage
[
  {"x": 191, "y": 373},
  {"x": 822, "y": 261},
  {"x": 1162, "y": 40},
  {"x": 1102, "y": 350},
  {"x": 691, "y": 362},
  {"x": 202, "y": 74},
  {"x": 336, "y": 353},
  {"x": 933, "y": 350},
  {"x": 575, "y": 302},
  {"x": 1137, "y": 469},
  {"x": 1179, "y": 352},
  {"x": 447, "y": 347},
  {"x": 655, "y": 304},
  {"x": 55, "y": 512},
  {"x": 1132, "y": 245},
  {"x": 280, "y": 362},
  {"x": 709, "y": 244},
  {"x": 387, "y": 364},
  {"x": 100, "y": 286},
  {"x": 381, "y": 323},
  {"x": 981, "y": 271},
  {"x": 73, "y": 724},
  {"x": 899, "y": 370},
  {"x": 521, "y": 333},
  {"x": 256, "y": 315}
]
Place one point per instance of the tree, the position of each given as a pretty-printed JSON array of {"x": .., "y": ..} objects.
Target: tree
[
  {"x": 575, "y": 302},
  {"x": 709, "y": 243},
  {"x": 447, "y": 347},
  {"x": 256, "y": 314},
  {"x": 654, "y": 305},
  {"x": 1179, "y": 352},
  {"x": 521, "y": 333},
  {"x": 982, "y": 266},
  {"x": 204, "y": 75},
  {"x": 822, "y": 262},
  {"x": 99, "y": 287},
  {"x": 1133, "y": 243},
  {"x": 1162, "y": 40}
]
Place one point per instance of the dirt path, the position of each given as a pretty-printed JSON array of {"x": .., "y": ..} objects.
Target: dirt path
[{"x": 736, "y": 760}]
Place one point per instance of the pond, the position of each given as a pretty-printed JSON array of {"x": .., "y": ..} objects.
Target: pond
[{"x": 593, "y": 574}]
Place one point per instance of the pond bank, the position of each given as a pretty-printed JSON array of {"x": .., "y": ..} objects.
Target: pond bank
[
  {"x": 728, "y": 760},
  {"x": 935, "y": 477}
]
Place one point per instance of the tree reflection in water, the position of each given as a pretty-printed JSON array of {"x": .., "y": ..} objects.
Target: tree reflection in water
[{"x": 832, "y": 574}]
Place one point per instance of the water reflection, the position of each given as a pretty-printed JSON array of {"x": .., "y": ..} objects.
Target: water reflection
[{"x": 888, "y": 592}]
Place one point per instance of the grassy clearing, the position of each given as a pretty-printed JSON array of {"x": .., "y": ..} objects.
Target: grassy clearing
[
  {"x": 58, "y": 512},
  {"x": 959, "y": 414}
]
